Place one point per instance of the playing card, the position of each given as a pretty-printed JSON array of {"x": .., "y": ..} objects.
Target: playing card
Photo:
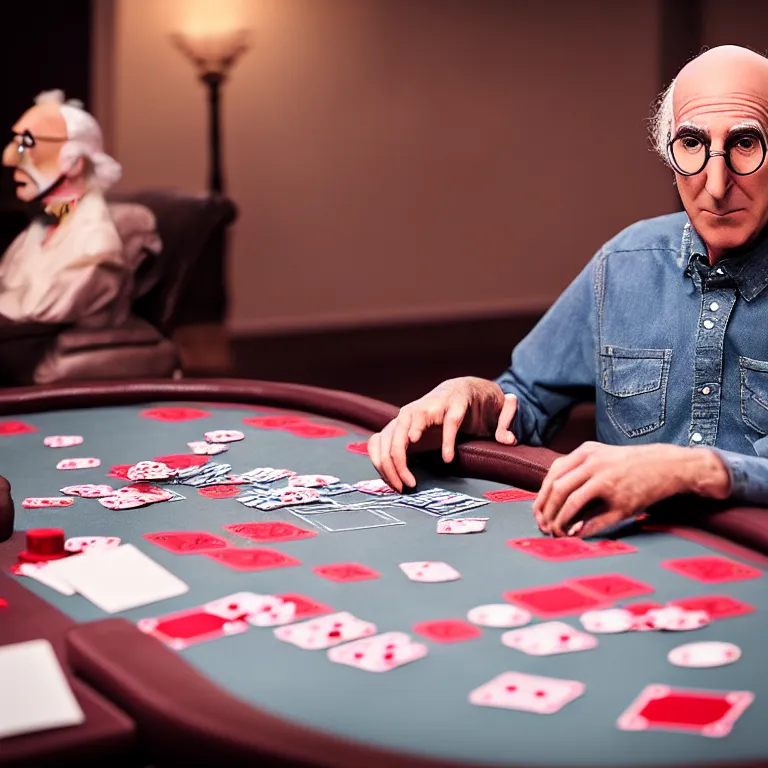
[
  {"x": 16, "y": 428},
  {"x": 375, "y": 488},
  {"x": 150, "y": 470},
  {"x": 553, "y": 549},
  {"x": 555, "y": 600},
  {"x": 611, "y": 586},
  {"x": 674, "y": 618},
  {"x": 78, "y": 463},
  {"x": 548, "y": 638},
  {"x": 438, "y": 501},
  {"x": 447, "y": 630},
  {"x": 462, "y": 525},
  {"x": 42, "y": 573},
  {"x": 609, "y": 621},
  {"x": 274, "y": 614},
  {"x": 704, "y": 655},
  {"x": 62, "y": 441},
  {"x": 315, "y": 431},
  {"x": 266, "y": 475},
  {"x": 708, "y": 713},
  {"x": 88, "y": 491},
  {"x": 84, "y": 544},
  {"x": 306, "y": 607},
  {"x": 186, "y": 542},
  {"x": 199, "y": 476},
  {"x": 124, "y": 501},
  {"x": 342, "y": 572},
  {"x": 245, "y": 559},
  {"x": 313, "y": 481},
  {"x": 290, "y": 497},
  {"x": 219, "y": 491},
  {"x": 273, "y": 530},
  {"x": 528, "y": 693},
  {"x": 511, "y": 494},
  {"x": 185, "y": 628},
  {"x": 499, "y": 615},
  {"x": 359, "y": 448},
  {"x": 430, "y": 571},
  {"x": 275, "y": 422},
  {"x": 224, "y": 436},
  {"x": 119, "y": 579},
  {"x": 182, "y": 460},
  {"x": 716, "y": 606},
  {"x": 203, "y": 448},
  {"x": 239, "y": 605},
  {"x": 712, "y": 569},
  {"x": 325, "y": 631},
  {"x": 170, "y": 413},
  {"x": 380, "y": 653},
  {"x": 45, "y": 502}
]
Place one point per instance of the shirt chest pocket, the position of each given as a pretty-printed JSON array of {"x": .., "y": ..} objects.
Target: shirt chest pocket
[
  {"x": 754, "y": 393},
  {"x": 634, "y": 385}
]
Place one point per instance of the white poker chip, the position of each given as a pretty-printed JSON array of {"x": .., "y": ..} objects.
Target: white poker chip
[
  {"x": 62, "y": 441},
  {"x": 150, "y": 470},
  {"x": 498, "y": 615},
  {"x": 706, "y": 654},
  {"x": 673, "y": 618},
  {"x": 610, "y": 621}
]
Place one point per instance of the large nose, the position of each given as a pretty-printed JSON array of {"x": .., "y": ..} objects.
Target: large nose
[
  {"x": 718, "y": 177},
  {"x": 11, "y": 156}
]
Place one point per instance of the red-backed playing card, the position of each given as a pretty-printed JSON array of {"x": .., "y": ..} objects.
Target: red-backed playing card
[
  {"x": 182, "y": 460},
  {"x": 361, "y": 448},
  {"x": 555, "y": 600},
  {"x": 306, "y": 607},
  {"x": 16, "y": 428},
  {"x": 187, "y": 542},
  {"x": 174, "y": 414},
  {"x": 184, "y": 628},
  {"x": 510, "y": 494},
  {"x": 315, "y": 431},
  {"x": 220, "y": 491},
  {"x": 712, "y": 569},
  {"x": 709, "y": 713},
  {"x": 611, "y": 586},
  {"x": 274, "y": 422},
  {"x": 252, "y": 559},
  {"x": 119, "y": 471},
  {"x": 641, "y": 608},
  {"x": 611, "y": 547},
  {"x": 270, "y": 531},
  {"x": 447, "y": 630},
  {"x": 346, "y": 572},
  {"x": 553, "y": 550},
  {"x": 717, "y": 606}
]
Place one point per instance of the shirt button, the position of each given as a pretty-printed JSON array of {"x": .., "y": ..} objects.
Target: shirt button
[
  {"x": 705, "y": 391},
  {"x": 708, "y": 324},
  {"x": 696, "y": 437},
  {"x": 714, "y": 306}
]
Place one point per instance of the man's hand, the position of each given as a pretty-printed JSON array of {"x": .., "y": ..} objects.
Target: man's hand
[
  {"x": 622, "y": 480},
  {"x": 476, "y": 406}
]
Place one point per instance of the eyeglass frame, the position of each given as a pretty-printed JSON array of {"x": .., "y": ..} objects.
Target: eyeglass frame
[
  {"x": 27, "y": 141},
  {"x": 725, "y": 154}
]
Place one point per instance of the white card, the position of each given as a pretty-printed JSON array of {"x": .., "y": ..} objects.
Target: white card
[
  {"x": 379, "y": 653},
  {"x": 239, "y": 605},
  {"x": 78, "y": 463},
  {"x": 119, "y": 579},
  {"x": 325, "y": 631},
  {"x": 608, "y": 621},
  {"x": 41, "y": 572},
  {"x": 548, "y": 638},
  {"x": 36, "y": 695},
  {"x": 202, "y": 448},
  {"x": 703, "y": 655},
  {"x": 462, "y": 525},
  {"x": 429, "y": 571},
  {"x": 224, "y": 436},
  {"x": 63, "y": 441},
  {"x": 499, "y": 615},
  {"x": 529, "y": 693}
]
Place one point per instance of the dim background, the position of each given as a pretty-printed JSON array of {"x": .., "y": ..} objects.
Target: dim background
[{"x": 417, "y": 180}]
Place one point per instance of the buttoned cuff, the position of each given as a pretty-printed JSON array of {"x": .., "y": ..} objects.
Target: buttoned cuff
[{"x": 749, "y": 476}]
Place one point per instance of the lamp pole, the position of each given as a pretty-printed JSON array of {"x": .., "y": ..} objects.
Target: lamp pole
[{"x": 214, "y": 82}]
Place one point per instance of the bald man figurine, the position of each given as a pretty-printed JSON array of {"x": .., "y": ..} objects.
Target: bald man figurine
[
  {"x": 666, "y": 329},
  {"x": 69, "y": 269}
]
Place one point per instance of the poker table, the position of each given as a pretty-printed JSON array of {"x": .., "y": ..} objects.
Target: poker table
[{"x": 252, "y": 699}]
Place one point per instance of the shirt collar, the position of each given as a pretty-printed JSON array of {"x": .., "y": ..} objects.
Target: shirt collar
[{"x": 747, "y": 267}]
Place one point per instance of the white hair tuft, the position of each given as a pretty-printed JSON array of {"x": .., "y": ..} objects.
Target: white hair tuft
[
  {"x": 662, "y": 122},
  {"x": 50, "y": 97}
]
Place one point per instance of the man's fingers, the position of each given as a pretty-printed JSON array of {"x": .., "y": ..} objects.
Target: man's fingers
[
  {"x": 504, "y": 433},
  {"x": 386, "y": 465},
  {"x": 454, "y": 415},
  {"x": 575, "y": 503},
  {"x": 559, "y": 467},
  {"x": 602, "y": 522},
  {"x": 560, "y": 490},
  {"x": 398, "y": 449}
]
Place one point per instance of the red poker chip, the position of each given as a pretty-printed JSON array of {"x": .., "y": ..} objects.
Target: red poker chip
[
  {"x": 182, "y": 460},
  {"x": 3, "y": 603},
  {"x": 16, "y": 428},
  {"x": 315, "y": 431},
  {"x": 174, "y": 414},
  {"x": 361, "y": 448},
  {"x": 274, "y": 422},
  {"x": 219, "y": 491}
]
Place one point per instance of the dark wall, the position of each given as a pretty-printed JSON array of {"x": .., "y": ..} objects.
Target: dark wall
[{"x": 46, "y": 45}]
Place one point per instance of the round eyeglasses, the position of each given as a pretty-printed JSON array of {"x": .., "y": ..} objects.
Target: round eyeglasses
[{"x": 744, "y": 153}]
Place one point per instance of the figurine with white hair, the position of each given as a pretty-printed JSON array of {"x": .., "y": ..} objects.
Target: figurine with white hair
[{"x": 69, "y": 268}]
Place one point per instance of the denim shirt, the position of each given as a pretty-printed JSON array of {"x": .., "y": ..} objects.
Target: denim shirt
[{"x": 670, "y": 350}]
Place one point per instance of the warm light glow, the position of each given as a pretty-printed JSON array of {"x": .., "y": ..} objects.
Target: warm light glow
[
  {"x": 213, "y": 53},
  {"x": 213, "y": 17}
]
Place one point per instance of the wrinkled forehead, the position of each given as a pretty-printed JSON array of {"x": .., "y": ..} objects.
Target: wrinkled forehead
[{"x": 42, "y": 120}]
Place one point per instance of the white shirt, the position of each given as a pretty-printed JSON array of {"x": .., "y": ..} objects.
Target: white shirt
[{"x": 79, "y": 275}]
